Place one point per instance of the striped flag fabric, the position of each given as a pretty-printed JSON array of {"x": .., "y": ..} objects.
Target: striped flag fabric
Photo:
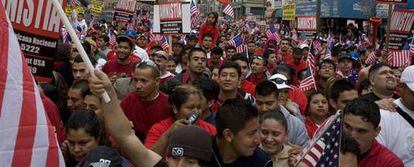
[
  {"x": 412, "y": 48},
  {"x": 65, "y": 36},
  {"x": 400, "y": 58},
  {"x": 323, "y": 149},
  {"x": 308, "y": 82},
  {"x": 317, "y": 45},
  {"x": 228, "y": 10},
  {"x": 164, "y": 43},
  {"x": 75, "y": 3},
  {"x": 27, "y": 137},
  {"x": 311, "y": 60},
  {"x": 195, "y": 14},
  {"x": 112, "y": 38},
  {"x": 238, "y": 42},
  {"x": 272, "y": 32},
  {"x": 371, "y": 58}
]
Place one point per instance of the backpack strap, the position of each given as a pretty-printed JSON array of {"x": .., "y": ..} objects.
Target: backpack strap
[{"x": 406, "y": 116}]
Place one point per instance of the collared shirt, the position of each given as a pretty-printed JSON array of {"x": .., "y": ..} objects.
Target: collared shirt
[{"x": 379, "y": 156}]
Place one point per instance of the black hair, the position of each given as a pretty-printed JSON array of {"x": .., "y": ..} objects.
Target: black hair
[
  {"x": 327, "y": 61},
  {"x": 126, "y": 39},
  {"x": 307, "y": 112},
  {"x": 275, "y": 115},
  {"x": 217, "y": 51},
  {"x": 86, "y": 119},
  {"x": 82, "y": 85},
  {"x": 105, "y": 38},
  {"x": 145, "y": 65},
  {"x": 340, "y": 86},
  {"x": 208, "y": 35},
  {"x": 240, "y": 57},
  {"x": 375, "y": 67},
  {"x": 196, "y": 49},
  {"x": 231, "y": 64},
  {"x": 367, "y": 109},
  {"x": 181, "y": 93},
  {"x": 234, "y": 114},
  {"x": 208, "y": 86},
  {"x": 283, "y": 68},
  {"x": 267, "y": 53},
  {"x": 215, "y": 14},
  {"x": 364, "y": 84},
  {"x": 266, "y": 88},
  {"x": 349, "y": 144},
  {"x": 78, "y": 59}
]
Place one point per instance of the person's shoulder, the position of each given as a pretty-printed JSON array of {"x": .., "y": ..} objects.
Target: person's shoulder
[{"x": 388, "y": 157}]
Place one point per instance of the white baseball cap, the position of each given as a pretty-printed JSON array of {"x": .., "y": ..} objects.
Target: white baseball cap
[
  {"x": 302, "y": 46},
  {"x": 407, "y": 77},
  {"x": 280, "y": 81}
]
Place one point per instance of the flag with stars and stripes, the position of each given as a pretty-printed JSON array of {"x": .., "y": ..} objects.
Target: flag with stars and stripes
[
  {"x": 164, "y": 43},
  {"x": 323, "y": 149},
  {"x": 228, "y": 10},
  {"x": 272, "y": 32},
  {"x": 371, "y": 58},
  {"x": 195, "y": 14},
  {"x": 400, "y": 58},
  {"x": 308, "y": 82},
  {"x": 112, "y": 38},
  {"x": 238, "y": 42},
  {"x": 412, "y": 48}
]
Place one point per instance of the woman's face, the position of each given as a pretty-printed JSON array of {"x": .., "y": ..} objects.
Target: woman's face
[
  {"x": 211, "y": 19},
  {"x": 318, "y": 106},
  {"x": 272, "y": 136},
  {"x": 193, "y": 104},
  {"x": 283, "y": 95},
  {"x": 80, "y": 143}
]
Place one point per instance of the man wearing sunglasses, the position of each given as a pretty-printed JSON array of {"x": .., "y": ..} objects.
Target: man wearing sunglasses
[{"x": 259, "y": 70}]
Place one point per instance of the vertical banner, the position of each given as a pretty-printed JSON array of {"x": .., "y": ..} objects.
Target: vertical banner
[
  {"x": 124, "y": 11},
  {"x": 37, "y": 25},
  {"x": 96, "y": 7},
  {"x": 172, "y": 18},
  {"x": 288, "y": 12},
  {"x": 401, "y": 25}
]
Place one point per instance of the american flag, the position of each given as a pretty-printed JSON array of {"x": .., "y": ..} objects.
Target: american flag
[
  {"x": 371, "y": 58},
  {"x": 112, "y": 38},
  {"x": 65, "y": 36},
  {"x": 412, "y": 48},
  {"x": 238, "y": 42},
  {"x": 228, "y": 10},
  {"x": 323, "y": 149},
  {"x": 130, "y": 26},
  {"x": 195, "y": 14},
  {"x": 164, "y": 43},
  {"x": 311, "y": 59},
  {"x": 317, "y": 45},
  {"x": 271, "y": 31},
  {"x": 27, "y": 136},
  {"x": 308, "y": 82},
  {"x": 400, "y": 58}
]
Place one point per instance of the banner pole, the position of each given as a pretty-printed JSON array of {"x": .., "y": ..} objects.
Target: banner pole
[{"x": 78, "y": 45}]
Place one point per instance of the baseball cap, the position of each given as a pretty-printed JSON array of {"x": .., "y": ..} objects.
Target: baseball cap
[
  {"x": 343, "y": 56},
  {"x": 191, "y": 141},
  {"x": 131, "y": 33},
  {"x": 302, "y": 46},
  {"x": 280, "y": 81},
  {"x": 407, "y": 77},
  {"x": 123, "y": 38},
  {"x": 102, "y": 156}
]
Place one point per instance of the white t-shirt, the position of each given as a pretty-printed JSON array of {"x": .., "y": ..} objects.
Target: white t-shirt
[{"x": 397, "y": 134}]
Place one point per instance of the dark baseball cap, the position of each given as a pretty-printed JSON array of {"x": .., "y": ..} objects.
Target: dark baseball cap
[{"x": 102, "y": 156}]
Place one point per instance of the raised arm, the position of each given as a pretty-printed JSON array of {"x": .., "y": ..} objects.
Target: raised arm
[{"x": 118, "y": 125}]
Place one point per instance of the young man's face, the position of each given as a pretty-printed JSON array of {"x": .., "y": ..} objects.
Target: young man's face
[
  {"x": 384, "y": 79},
  {"x": 344, "y": 98},
  {"x": 284, "y": 45},
  {"x": 246, "y": 141},
  {"x": 207, "y": 41},
  {"x": 363, "y": 132},
  {"x": 197, "y": 62},
  {"x": 229, "y": 79},
  {"x": 267, "y": 103},
  {"x": 123, "y": 50},
  {"x": 160, "y": 61},
  {"x": 146, "y": 83},
  {"x": 79, "y": 71},
  {"x": 251, "y": 47},
  {"x": 345, "y": 65},
  {"x": 258, "y": 66},
  {"x": 326, "y": 71},
  {"x": 244, "y": 68},
  {"x": 75, "y": 100},
  {"x": 230, "y": 53}
]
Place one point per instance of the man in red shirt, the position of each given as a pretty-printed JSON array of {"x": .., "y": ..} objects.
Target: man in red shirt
[
  {"x": 361, "y": 120},
  {"x": 297, "y": 63},
  {"x": 285, "y": 50},
  {"x": 246, "y": 85},
  {"x": 121, "y": 67},
  {"x": 259, "y": 70},
  {"x": 147, "y": 106}
]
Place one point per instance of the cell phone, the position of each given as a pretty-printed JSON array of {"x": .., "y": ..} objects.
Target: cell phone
[{"x": 193, "y": 118}]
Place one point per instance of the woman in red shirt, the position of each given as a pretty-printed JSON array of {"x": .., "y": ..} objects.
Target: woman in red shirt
[
  {"x": 186, "y": 101},
  {"x": 209, "y": 27},
  {"x": 317, "y": 112}
]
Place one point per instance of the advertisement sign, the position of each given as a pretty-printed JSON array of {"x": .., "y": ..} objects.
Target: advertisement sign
[
  {"x": 37, "y": 25},
  {"x": 288, "y": 12},
  {"x": 401, "y": 25},
  {"x": 307, "y": 23},
  {"x": 172, "y": 18},
  {"x": 305, "y": 8}
]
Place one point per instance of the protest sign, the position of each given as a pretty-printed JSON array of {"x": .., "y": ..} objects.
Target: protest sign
[
  {"x": 96, "y": 7},
  {"x": 172, "y": 17},
  {"x": 37, "y": 25},
  {"x": 124, "y": 11},
  {"x": 400, "y": 28},
  {"x": 288, "y": 12}
]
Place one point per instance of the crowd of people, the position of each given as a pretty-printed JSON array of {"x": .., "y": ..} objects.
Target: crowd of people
[{"x": 207, "y": 103}]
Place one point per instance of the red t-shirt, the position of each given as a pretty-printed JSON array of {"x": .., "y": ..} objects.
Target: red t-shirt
[
  {"x": 257, "y": 79},
  {"x": 112, "y": 56},
  {"x": 311, "y": 126},
  {"x": 287, "y": 57},
  {"x": 248, "y": 87},
  {"x": 144, "y": 114},
  {"x": 208, "y": 29},
  {"x": 379, "y": 156},
  {"x": 299, "y": 97},
  {"x": 297, "y": 67},
  {"x": 53, "y": 115},
  {"x": 114, "y": 67},
  {"x": 160, "y": 128}
]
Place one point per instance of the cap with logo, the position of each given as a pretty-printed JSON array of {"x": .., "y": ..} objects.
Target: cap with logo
[
  {"x": 280, "y": 81},
  {"x": 102, "y": 156}
]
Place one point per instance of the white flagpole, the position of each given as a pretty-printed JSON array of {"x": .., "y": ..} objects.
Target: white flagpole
[{"x": 78, "y": 45}]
